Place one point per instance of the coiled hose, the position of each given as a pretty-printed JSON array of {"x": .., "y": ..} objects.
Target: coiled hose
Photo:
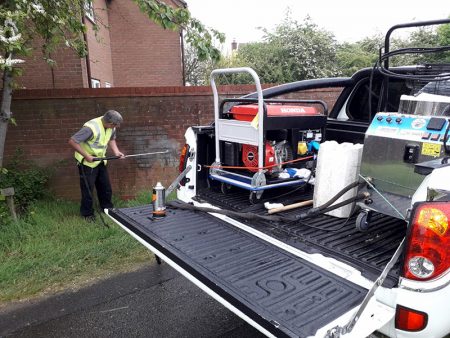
[{"x": 324, "y": 208}]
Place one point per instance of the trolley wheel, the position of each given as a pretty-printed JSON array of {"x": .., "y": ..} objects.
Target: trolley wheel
[
  {"x": 255, "y": 196},
  {"x": 362, "y": 221},
  {"x": 225, "y": 188}
]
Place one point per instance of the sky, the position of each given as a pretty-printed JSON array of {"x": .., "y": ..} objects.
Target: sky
[{"x": 348, "y": 20}]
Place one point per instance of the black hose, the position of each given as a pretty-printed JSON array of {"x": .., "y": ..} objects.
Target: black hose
[
  {"x": 242, "y": 215},
  {"x": 326, "y": 207},
  {"x": 337, "y": 196},
  {"x": 96, "y": 207},
  {"x": 316, "y": 211}
]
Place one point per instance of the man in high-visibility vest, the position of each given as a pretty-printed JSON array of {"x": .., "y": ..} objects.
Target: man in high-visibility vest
[{"x": 92, "y": 141}]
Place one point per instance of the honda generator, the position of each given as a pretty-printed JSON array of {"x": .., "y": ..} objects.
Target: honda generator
[{"x": 257, "y": 140}]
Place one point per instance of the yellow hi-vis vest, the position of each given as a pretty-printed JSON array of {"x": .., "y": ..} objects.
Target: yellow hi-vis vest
[{"x": 97, "y": 144}]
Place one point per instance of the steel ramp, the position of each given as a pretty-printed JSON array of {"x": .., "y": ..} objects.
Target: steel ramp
[{"x": 275, "y": 291}]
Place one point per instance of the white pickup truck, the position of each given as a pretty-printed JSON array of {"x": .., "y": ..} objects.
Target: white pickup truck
[{"x": 247, "y": 228}]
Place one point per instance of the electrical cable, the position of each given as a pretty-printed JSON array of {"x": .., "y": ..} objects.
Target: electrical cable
[
  {"x": 383, "y": 197},
  {"x": 257, "y": 168}
]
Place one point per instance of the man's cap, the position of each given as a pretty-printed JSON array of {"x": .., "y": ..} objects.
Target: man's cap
[{"x": 112, "y": 116}]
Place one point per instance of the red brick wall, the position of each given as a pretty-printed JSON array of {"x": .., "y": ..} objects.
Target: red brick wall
[
  {"x": 154, "y": 119},
  {"x": 129, "y": 50},
  {"x": 67, "y": 73},
  {"x": 143, "y": 54}
]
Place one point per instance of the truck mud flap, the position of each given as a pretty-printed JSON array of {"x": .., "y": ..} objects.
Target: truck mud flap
[{"x": 275, "y": 291}]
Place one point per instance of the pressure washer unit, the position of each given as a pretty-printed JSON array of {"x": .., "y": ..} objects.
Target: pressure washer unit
[
  {"x": 257, "y": 138},
  {"x": 400, "y": 149}
]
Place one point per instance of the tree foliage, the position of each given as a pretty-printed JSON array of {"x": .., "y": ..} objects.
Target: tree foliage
[
  {"x": 292, "y": 51},
  {"x": 302, "y": 50},
  {"x": 350, "y": 57}
]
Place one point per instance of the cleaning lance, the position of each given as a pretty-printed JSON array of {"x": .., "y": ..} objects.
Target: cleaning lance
[{"x": 133, "y": 155}]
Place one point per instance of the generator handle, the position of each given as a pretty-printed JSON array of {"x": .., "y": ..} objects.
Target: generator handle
[{"x": 260, "y": 128}]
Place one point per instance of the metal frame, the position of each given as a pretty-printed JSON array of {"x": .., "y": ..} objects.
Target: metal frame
[
  {"x": 244, "y": 132},
  {"x": 387, "y": 47},
  {"x": 241, "y": 131}
]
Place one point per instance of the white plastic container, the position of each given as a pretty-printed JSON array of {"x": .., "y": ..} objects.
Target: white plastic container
[{"x": 337, "y": 166}]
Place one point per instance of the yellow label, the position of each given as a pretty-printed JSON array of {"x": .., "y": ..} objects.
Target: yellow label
[
  {"x": 255, "y": 121},
  {"x": 302, "y": 148},
  {"x": 431, "y": 149}
]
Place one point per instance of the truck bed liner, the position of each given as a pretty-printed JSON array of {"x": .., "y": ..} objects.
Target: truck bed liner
[
  {"x": 258, "y": 278},
  {"x": 330, "y": 236}
]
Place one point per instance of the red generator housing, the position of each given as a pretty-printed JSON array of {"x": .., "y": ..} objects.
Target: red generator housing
[{"x": 248, "y": 112}]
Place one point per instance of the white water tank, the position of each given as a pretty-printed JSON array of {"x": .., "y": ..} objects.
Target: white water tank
[{"x": 337, "y": 166}]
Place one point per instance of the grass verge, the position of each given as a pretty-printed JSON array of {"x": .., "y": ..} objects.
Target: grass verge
[{"x": 53, "y": 249}]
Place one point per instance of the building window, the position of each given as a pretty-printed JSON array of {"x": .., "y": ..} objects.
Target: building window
[
  {"x": 89, "y": 10},
  {"x": 107, "y": 85},
  {"x": 95, "y": 83}
]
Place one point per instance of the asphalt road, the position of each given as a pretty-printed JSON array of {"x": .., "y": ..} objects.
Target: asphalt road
[{"x": 155, "y": 301}]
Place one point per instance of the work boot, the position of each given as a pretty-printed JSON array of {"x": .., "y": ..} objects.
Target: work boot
[{"x": 90, "y": 218}]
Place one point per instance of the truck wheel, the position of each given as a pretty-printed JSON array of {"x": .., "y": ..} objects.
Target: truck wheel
[{"x": 362, "y": 221}]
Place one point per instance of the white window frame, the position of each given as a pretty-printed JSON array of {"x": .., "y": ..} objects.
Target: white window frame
[
  {"x": 89, "y": 10},
  {"x": 95, "y": 83}
]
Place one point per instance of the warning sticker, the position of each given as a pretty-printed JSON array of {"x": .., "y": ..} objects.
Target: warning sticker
[{"x": 431, "y": 149}]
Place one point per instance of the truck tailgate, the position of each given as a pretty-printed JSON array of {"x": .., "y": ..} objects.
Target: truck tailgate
[{"x": 275, "y": 291}]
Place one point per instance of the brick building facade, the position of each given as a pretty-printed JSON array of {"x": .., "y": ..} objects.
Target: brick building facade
[{"x": 128, "y": 50}]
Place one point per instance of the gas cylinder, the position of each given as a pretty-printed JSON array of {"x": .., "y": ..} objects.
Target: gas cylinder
[{"x": 159, "y": 200}]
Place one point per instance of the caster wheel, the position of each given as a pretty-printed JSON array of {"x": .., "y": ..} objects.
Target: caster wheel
[
  {"x": 225, "y": 188},
  {"x": 362, "y": 221},
  {"x": 252, "y": 198},
  {"x": 255, "y": 197}
]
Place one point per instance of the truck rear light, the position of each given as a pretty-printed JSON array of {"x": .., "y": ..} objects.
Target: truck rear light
[
  {"x": 427, "y": 251},
  {"x": 407, "y": 319},
  {"x": 183, "y": 161},
  {"x": 183, "y": 157}
]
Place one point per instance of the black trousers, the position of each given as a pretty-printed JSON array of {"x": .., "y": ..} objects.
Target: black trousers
[{"x": 95, "y": 177}]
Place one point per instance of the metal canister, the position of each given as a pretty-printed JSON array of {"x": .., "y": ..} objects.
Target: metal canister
[{"x": 159, "y": 200}]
